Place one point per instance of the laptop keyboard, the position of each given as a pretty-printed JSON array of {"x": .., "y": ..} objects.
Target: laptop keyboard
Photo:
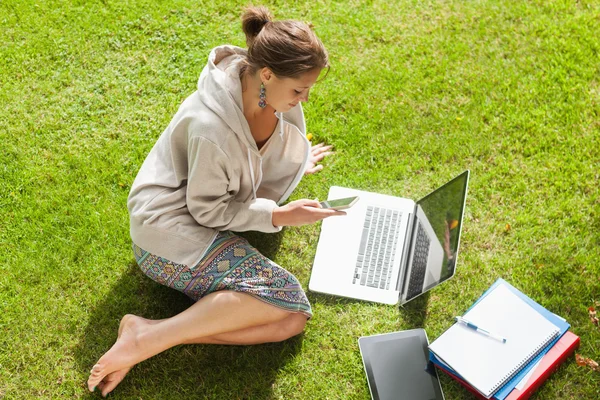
[
  {"x": 419, "y": 264},
  {"x": 377, "y": 248}
]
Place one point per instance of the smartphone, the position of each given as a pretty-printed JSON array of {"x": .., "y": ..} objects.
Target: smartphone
[{"x": 340, "y": 204}]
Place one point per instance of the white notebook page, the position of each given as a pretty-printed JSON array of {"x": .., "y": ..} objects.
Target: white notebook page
[{"x": 487, "y": 363}]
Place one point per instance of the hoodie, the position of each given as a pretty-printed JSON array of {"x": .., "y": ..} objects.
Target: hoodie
[{"x": 205, "y": 173}]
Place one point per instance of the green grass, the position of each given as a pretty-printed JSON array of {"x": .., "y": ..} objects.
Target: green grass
[{"x": 418, "y": 91}]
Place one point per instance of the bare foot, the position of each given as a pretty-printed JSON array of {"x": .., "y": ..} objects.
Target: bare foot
[
  {"x": 112, "y": 367},
  {"x": 111, "y": 380}
]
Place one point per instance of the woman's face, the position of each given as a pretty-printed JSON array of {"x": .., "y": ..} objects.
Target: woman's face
[{"x": 284, "y": 93}]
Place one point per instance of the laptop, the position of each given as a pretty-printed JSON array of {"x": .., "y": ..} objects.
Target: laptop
[
  {"x": 398, "y": 368},
  {"x": 390, "y": 249}
]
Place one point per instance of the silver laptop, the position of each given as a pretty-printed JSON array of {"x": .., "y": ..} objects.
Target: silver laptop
[{"x": 390, "y": 249}]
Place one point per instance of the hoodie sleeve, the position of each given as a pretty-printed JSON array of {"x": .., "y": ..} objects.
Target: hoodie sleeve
[{"x": 211, "y": 196}]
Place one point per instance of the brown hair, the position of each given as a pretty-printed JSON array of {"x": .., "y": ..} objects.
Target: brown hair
[{"x": 288, "y": 48}]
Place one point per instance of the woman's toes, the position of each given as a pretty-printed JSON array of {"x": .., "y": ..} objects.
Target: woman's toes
[
  {"x": 112, "y": 380},
  {"x": 96, "y": 370},
  {"x": 95, "y": 377}
]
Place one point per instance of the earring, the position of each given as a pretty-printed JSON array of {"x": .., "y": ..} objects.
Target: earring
[{"x": 262, "y": 96}]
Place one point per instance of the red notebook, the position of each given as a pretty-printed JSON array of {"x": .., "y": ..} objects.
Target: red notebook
[{"x": 565, "y": 346}]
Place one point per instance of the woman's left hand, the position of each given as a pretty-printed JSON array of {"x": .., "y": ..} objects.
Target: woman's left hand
[{"x": 317, "y": 153}]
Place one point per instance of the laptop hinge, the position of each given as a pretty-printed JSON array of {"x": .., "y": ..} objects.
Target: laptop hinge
[{"x": 405, "y": 253}]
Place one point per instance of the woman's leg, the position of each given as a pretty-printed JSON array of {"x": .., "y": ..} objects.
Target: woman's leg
[
  {"x": 216, "y": 314},
  {"x": 278, "y": 331},
  {"x": 284, "y": 329}
]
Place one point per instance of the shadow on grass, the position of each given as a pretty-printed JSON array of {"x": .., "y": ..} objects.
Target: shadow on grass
[
  {"x": 187, "y": 371},
  {"x": 320, "y": 298},
  {"x": 267, "y": 243},
  {"x": 415, "y": 312}
]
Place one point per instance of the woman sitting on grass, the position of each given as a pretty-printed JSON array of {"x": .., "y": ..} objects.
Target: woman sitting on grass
[{"x": 234, "y": 150}]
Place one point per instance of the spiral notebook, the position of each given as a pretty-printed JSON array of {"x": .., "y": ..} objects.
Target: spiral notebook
[{"x": 484, "y": 362}]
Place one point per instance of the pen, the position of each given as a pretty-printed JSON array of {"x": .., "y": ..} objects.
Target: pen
[{"x": 478, "y": 329}]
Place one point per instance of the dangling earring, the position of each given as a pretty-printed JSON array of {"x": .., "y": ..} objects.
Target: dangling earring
[{"x": 262, "y": 103}]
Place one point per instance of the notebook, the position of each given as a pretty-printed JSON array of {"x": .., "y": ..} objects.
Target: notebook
[
  {"x": 560, "y": 322},
  {"x": 390, "y": 249},
  {"x": 488, "y": 364},
  {"x": 540, "y": 373}
]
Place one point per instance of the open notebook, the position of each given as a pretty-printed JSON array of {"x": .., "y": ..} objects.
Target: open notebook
[{"x": 484, "y": 362}]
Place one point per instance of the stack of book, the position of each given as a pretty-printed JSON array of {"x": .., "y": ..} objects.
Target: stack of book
[{"x": 505, "y": 346}]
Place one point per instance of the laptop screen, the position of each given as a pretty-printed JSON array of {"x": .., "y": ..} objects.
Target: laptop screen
[{"x": 442, "y": 212}]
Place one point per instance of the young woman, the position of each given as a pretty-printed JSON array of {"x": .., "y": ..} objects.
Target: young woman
[{"x": 235, "y": 149}]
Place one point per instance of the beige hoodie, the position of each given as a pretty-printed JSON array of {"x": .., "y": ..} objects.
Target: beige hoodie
[{"x": 205, "y": 173}]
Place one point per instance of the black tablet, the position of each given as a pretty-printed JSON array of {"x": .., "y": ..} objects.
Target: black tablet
[{"x": 397, "y": 366}]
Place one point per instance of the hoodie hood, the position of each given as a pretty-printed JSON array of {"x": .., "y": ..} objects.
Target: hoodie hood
[{"x": 220, "y": 89}]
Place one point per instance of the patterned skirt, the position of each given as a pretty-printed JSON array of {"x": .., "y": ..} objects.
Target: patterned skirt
[{"x": 230, "y": 263}]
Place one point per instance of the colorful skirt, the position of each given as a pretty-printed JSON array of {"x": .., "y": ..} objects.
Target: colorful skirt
[{"x": 230, "y": 263}]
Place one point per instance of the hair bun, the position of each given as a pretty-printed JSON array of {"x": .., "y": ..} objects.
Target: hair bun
[
  {"x": 288, "y": 48},
  {"x": 253, "y": 21}
]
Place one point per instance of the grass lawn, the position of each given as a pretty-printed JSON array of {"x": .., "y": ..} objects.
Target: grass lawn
[{"x": 418, "y": 91}]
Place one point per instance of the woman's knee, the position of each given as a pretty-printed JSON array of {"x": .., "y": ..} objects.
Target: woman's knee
[{"x": 290, "y": 327}]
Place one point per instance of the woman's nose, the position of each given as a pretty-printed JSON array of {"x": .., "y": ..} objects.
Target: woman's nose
[{"x": 304, "y": 97}]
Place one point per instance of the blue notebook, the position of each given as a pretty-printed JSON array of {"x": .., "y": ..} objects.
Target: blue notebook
[{"x": 537, "y": 348}]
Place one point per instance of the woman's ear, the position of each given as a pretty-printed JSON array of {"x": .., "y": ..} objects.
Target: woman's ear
[{"x": 266, "y": 74}]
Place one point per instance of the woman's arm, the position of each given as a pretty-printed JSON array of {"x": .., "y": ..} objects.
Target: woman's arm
[
  {"x": 301, "y": 212},
  {"x": 211, "y": 199}
]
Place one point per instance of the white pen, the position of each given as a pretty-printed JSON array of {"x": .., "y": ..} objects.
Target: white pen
[{"x": 478, "y": 329}]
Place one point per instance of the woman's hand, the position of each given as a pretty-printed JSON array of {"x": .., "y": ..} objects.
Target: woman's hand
[
  {"x": 317, "y": 153},
  {"x": 301, "y": 212}
]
